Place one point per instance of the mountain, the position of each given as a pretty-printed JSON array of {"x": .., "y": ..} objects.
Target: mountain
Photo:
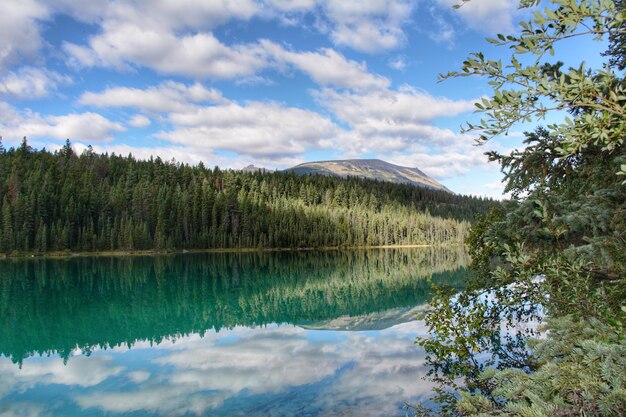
[
  {"x": 374, "y": 169},
  {"x": 252, "y": 168}
]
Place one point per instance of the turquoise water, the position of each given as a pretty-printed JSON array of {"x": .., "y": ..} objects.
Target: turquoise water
[{"x": 243, "y": 334}]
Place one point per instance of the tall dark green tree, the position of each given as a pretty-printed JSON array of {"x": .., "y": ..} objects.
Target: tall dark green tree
[
  {"x": 67, "y": 202},
  {"x": 556, "y": 254}
]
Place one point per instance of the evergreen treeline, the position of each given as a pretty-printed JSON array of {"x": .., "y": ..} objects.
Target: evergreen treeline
[{"x": 90, "y": 202}]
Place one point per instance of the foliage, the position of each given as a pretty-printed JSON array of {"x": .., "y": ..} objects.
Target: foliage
[
  {"x": 528, "y": 92},
  {"x": 580, "y": 372},
  {"x": 617, "y": 40},
  {"x": 557, "y": 252},
  {"x": 66, "y": 202}
]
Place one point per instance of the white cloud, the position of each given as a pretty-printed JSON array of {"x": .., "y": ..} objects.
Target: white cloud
[
  {"x": 182, "y": 154},
  {"x": 398, "y": 109},
  {"x": 495, "y": 190},
  {"x": 166, "y": 97},
  {"x": 31, "y": 83},
  {"x": 291, "y": 5},
  {"x": 187, "y": 154},
  {"x": 489, "y": 16},
  {"x": 175, "y": 37},
  {"x": 398, "y": 63},
  {"x": 75, "y": 126},
  {"x": 446, "y": 164},
  {"x": 444, "y": 32},
  {"x": 256, "y": 128},
  {"x": 391, "y": 123},
  {"x": 164, "y": 14},
  {"x": 328, "y": 67},
  {"x": 202, "y": 55},
  {"x": 19, "y": 31},
  {"x": 83, "y": 126},
  {"x": 406, "y": 105},
  {"x": 139, "y": 120},
  {"x": 397, "y": 125},
  {"x": 172, "y": 37},
  {"x": 91, "y": 11},
  {"x": 372, "y": 26}
]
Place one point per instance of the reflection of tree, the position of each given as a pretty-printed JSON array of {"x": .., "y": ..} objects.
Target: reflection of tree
[{"x": 49, "y": 306}]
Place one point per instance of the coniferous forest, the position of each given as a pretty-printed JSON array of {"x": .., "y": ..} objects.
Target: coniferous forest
[{"x": 62, "y": 201}]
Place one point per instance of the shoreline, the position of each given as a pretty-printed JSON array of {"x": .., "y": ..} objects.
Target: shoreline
[{"x": 155, "y": 252}]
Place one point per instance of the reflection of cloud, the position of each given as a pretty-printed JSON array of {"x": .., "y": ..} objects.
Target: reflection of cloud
[
  {"x": 233, "y": 372},
  {"x": 80, "y": 371},
  {"x": 22, "y": 409},
  {"x": 165, "y": 399},
  {"x": 138, "y": 376},
  {"x": 372, "y": 371},
  {"x": 384, "y": 376}
]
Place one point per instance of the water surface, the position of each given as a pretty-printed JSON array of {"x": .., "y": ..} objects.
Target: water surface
[{"x": 287, "y": 333}]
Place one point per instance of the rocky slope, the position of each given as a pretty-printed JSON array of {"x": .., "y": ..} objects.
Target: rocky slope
[{"x": 372, "y": 169}]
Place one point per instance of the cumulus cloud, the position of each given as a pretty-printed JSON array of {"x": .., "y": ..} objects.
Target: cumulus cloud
[
  {"x": 139, "y": 120},
  {"x": 166, "y": 97},
  {"x": 176, "y": 37},
  {"x": 446, "y": 164},
  {"x": 291, "y": 5},
  {"x": 489, "y": 16},
  {"x": 391, "y": 120},
  {"x": 406, "y": 105},
  {"x": 85, "y": 126},
  {"x": 183, "y": 154},
  {"x": 495, "y": 190},
  {"x": 328, "y": 67},
  {"x": 372, "y": 26},
  {"x": 444, "y": 32},
  {"x": 398, "y": 63},
  {"x": 122, "y": 46},
  {"x": 399, "y": 126},
  {"x": 19, "y": 31},
  {"x": 390, "y": 123},
  {"x": 255, "y": 128},
  {"x": 76, "y": 126},
  {"x": 31, "y": 83},
  {"x": 164, "y": 14}
]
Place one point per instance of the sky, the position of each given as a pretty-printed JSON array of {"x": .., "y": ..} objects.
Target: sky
[{"x": 272, "y": 83}]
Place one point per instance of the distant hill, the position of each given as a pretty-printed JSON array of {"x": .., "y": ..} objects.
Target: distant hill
[
  {"x": 371, "y": 169},
  {"x": 253, "y": 168}
]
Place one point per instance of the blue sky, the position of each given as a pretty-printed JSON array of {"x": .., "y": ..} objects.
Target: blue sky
[{"x": 268, "y": 82}]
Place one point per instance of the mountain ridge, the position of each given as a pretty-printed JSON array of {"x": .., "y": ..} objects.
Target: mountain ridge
[{"x": 375, "y": 169}]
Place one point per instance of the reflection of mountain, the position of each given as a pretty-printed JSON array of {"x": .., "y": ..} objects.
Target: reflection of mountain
[
  {"x": 379, "y": 320},
  {"x": 55, "y": 305}
]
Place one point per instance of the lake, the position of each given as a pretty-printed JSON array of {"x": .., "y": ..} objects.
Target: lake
[{"x": 308, "y": 333}]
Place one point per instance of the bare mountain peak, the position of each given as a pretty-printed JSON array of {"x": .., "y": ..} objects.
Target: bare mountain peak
[
  {"x": 375, "y": 169},
  {"x": 253, "y": 168}
]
